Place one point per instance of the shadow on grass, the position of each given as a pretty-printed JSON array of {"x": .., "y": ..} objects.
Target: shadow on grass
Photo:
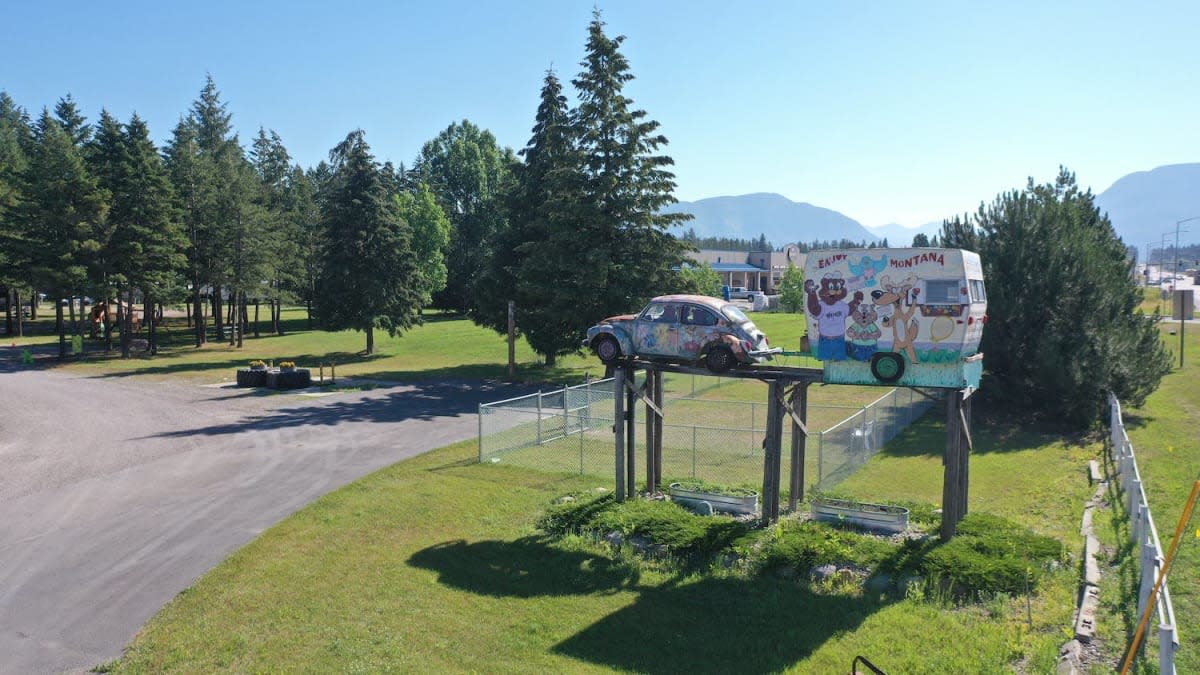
[
  {"x": 694, "y": 625},
  {"x": 310, "y": 361},
  {"x": 424, "y": 401}
]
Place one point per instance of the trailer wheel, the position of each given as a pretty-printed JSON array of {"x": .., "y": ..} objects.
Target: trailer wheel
[{"x": 887, "y": 366}]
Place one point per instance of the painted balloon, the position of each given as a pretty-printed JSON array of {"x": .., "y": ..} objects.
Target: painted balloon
[{"x": 941, "y": 328}]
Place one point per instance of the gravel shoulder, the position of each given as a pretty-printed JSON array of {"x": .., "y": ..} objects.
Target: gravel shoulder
[{"x": 119, "y": 492}]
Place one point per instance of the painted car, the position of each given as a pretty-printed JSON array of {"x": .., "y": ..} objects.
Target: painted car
[{"x": 683, "y": 329}]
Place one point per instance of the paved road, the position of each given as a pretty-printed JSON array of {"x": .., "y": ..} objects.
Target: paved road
[{"x": 117, "y": 493}]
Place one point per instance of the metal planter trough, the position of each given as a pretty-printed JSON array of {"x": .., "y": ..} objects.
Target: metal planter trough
[
  {"x": 704, "y": 500},
  {"x": 877, "y": 517}
]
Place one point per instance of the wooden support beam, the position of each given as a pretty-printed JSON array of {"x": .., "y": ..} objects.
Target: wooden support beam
[
  {"x": 630, "y": 434},
  {"x": 799, "y": 399},
  {"x": 957, "y": 459},
  {"x": 658, "y": 431},
  {"x": 652, "y": 413},
  {"x": 619, "y": 431},
  {"x": 772, "y": 453}
]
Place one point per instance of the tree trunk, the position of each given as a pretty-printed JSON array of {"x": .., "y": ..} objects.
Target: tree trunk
[
  {"x": 108, "y": 322},
  {"x": 370, "y": 340},
  {"x": 127, "y": 323},
  {"x": 62, "y": 333},
  {"x": 551, "y": 359},
  {"x": 71, "y": 311},
  {"x": 308, "y": 311},
  {"x": 197, "y": 313},
  {"x": 20, "y": 318},
  {"x": 33, "y": 305},
  {"x": 218, "y": 319},
  {"x": 256, "y": 334},
  {"x": 279, "y": 317},
  {"x": 153, "y": 324},
  {"x": 8, "y": 305},
  {"x": 241, "y": 323}
]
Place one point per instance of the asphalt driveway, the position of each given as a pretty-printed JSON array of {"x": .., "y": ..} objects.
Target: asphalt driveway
[{"x": 117, "y": 493}]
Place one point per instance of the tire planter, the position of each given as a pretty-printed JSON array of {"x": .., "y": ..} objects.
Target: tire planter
[
  {"x": 715, "y": 501},
  {"x": 878, "y": 517},
  {"x": 289, "y": 379},
  {"x": 252, "y": 377}
]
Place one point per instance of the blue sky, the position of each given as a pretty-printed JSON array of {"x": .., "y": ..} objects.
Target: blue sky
[{"x": 886, "y": 111}]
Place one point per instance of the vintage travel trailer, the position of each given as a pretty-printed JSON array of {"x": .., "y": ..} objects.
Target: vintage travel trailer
[{"x": 896, "y": 316}]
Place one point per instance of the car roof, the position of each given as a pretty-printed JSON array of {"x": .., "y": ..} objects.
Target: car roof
[{"x": 714, "y": 303}]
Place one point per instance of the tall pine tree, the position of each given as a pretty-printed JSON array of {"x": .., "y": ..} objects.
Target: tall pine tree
[{"x": 369, "y": 275}]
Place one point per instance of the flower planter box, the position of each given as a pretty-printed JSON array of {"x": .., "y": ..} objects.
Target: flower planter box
[
  {"x": 297, "y": 378},
  {"x": 878, "y": 517},
  {"x": 252, "y": 377},
  {"x": 735, "y": 504}
]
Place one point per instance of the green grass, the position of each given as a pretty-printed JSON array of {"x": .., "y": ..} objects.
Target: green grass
[
  {"x": 1167, "y": 446},
  {"x": 434, "y": 564}
]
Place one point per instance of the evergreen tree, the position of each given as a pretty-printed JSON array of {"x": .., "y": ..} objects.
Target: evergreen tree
[
  {"x": 16, "y": 139},
  {"x": 281, "y": 228},
  {"x": 530, "y": 263},
  {"x": 62, "y": 204},
  {"x": 369, "y": 276},
  {"x": 625, "y": 253},
  {"x": 72, "y": 121},
  {"x": 193, "y": 194},
  {"x": 1063, "y": 325},
  {"x": 920, "y": 240}
]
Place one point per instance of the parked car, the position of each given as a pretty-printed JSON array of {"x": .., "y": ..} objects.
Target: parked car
[
  {"x": 682, "y": 329},
  {"x": 741, "y": 293}
]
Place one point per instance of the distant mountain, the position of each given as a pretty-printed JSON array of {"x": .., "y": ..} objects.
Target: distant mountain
[
  {"x": 902, "y": 235},
  {"x": 782, "y": 220},
  {"x": 1144, "y": 205}
]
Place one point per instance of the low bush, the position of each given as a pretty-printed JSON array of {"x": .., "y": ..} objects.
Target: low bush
[
  {"x": 806, "y": 544},
  {"x": 991, "y": 555}
]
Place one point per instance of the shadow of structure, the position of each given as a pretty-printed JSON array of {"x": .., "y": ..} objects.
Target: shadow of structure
[
  {"x": 422, "y": 400},
  {"x": 686, "y": 624}
]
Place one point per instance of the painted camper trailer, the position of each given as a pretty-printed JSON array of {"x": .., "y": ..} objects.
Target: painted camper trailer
[{"x": 896, "y": 316}]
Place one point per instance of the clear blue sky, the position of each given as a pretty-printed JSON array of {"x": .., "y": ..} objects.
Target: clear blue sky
[{"x": 886, "y": 111}]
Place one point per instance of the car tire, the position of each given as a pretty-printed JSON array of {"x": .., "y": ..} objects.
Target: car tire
[
  {"x": 607, "y": 348},
  {"x": 719, "y": 359},
  {"x": 887, "y": 367}
]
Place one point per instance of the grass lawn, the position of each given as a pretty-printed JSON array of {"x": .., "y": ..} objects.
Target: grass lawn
[{"x": 434, "y": 565}]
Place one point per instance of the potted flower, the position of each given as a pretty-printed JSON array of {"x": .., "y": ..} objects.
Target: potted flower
[
  {"x": 254, "y": 376},
  {"x": 289, "y": 377}
]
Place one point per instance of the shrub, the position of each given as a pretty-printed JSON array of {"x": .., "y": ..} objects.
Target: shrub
[
  {"x": 805, "y": 544},
  {"x": 575, "y": 515},
  {"x": 669, "y": 524},
  {"x": 992, "y": 555}
]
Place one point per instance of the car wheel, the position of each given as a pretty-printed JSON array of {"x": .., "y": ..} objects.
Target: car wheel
[
  {"x": 887, "y": 366},
  {"x": 607, "y": 348},
  {"x": 719, "y": 359}
]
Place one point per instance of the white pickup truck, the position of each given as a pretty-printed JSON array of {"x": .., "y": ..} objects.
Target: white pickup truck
[{"x": 741, "y": 293}]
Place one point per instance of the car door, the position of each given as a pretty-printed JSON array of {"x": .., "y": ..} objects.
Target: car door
[
  {"x": 699, "y": 327},
  {"x": 657, "y": 330}
]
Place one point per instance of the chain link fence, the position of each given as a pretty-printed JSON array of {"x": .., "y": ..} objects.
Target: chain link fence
[{"x": 571, "y": 430}]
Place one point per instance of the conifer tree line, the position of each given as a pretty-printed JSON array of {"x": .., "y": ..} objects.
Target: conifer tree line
[{"x": 570, "y": 228}]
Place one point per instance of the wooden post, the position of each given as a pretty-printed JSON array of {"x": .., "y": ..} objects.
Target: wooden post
[
  {"x": 512, "y": 341},
  {"x": 619, "y": 431},
  {"x": 630, "y": 433},
  {"x": 651, "y": 428},
  {"x": 658, "y": 432},
  {"x": 772, "y": 453},
  {"x": 799, "y": 445},
  {"x": 956, "y": 461}
]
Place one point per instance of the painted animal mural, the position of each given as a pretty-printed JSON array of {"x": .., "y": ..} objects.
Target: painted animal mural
[
  {"x": 828, "y": 305},
  {"x": 900, "y": 296},
  {"x": 863, "y": 335}
]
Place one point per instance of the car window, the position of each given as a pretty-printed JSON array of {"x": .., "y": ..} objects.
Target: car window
[
  {"x": 734, "y": 314},
  {"x": 943, "y": 291},
  {"x": 978, "y": 293},
  {"x": 698, "y": 316},
  {"x": 653, "y": 311},
  {"x": 670, "y": 314}
]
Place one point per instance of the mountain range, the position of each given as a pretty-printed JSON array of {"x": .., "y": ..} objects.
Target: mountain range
[{"x": 1143, "y": 206}]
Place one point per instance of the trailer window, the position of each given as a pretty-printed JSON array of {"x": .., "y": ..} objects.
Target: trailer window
[
  {"x": 942, "y": 292},
  {"x": 978, "y": 293}
]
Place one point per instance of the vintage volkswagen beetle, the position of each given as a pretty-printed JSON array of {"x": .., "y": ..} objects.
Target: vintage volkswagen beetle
[{"x": 682, "y": 329}]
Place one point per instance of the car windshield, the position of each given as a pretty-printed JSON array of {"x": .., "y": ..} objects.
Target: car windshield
[{"x": 734, "y": 314}]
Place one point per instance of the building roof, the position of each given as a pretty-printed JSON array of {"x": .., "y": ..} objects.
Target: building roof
[{"x": 735, "y": 267}]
